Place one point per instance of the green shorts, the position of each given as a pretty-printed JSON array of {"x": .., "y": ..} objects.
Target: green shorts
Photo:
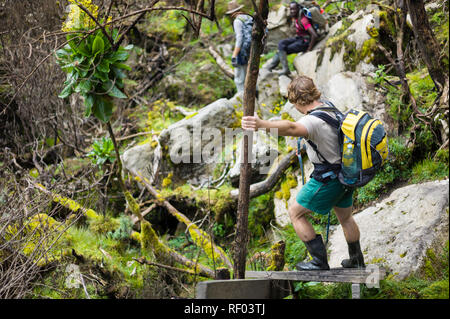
[{"x": 322, "y": 197}]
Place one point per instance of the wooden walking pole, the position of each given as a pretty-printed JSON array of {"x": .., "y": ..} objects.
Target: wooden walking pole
[{"x": 257, "y": 47}]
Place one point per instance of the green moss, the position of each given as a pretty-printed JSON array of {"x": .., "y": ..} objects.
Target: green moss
[
  {"x": 103, "y": 224},
  {"x": 285, "y": 189},
  {"x": 191, "y": 115},
  {"x": 260, "y": 214},
  {"x": 167, "y": 181},
  {"x": 41, "y": 237},
  {"x": 437, "y": 290},
  {"x": 132, "y": 204},
  {"x": 277, "y": 256}
]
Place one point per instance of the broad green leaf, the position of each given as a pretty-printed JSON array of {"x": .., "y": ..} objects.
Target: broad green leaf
[
  {"x": 102, "y": 109},
  {"x": 121, "y": 55},
  {"x": 85, "y": 86},
  {"x": 103, "y": 66},
  {"x": 101, "y": 75},
  {"x": 71, "y": 78},
  {"x": 118, "y": 72},
  {"x": 83, "y": 49},
  {"x": 115, "y": 34},
  {"x": 88, "y": 102},
  {"x": 122, "y": 66},
  {"x": 119, "y": 83},
  {"x": 98, "y": 45},
  {"x": 65, "y": 92},
  {"x": 62, "y": 53},
  {"x": 129, "y": 47},
  {"x": 113, "y": 91}
]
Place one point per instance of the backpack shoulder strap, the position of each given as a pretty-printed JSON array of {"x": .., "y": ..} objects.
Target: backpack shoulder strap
[
  {"x": 314, "y": 147},
  {"x": 322, "y": 113}
]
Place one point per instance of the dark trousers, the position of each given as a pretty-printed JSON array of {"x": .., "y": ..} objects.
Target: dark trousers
[{"x": 293, "y": 45}]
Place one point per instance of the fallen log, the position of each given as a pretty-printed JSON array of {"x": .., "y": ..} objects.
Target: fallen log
[
  {"x": 274, "y": 175},
  {"x": 148, "y": 238},
  {"x": 200, "y": 238}
]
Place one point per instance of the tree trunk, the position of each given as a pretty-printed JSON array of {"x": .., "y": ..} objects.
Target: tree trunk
[
  {"x": 426, "y": 41},
  {"x": 240, "y": 243}
]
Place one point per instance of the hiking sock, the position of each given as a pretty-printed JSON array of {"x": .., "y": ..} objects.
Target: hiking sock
[
  {"x": 318, "y": 252},
  {"x": 356, "y": 259}
]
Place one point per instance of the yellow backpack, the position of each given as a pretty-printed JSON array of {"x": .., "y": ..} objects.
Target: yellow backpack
[{"x": 363, "y": 143}]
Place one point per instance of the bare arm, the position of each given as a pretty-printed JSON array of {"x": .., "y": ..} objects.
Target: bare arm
[
  {"x": 314, "y": 37},
  {"x": 285, "y": 127}
]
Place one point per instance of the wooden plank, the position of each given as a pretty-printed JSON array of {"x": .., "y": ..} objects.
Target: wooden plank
[
  {"x": 357, "y": 276},
  {"x": 243, "y": 289}
]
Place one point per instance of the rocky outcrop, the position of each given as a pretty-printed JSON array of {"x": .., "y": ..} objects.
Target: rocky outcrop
[
  {"x": 278, "y": 28},
  {"x": 140, "y": 159},
  {"x": 264, "y": 152},
  {"x": 397, "y": 231}
]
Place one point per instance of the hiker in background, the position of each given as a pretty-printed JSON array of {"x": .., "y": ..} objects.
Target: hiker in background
[
  {"x": 324, "y": 190},
  {"x": 242, "y": 25},
  {"x": 304, "y": 41}
]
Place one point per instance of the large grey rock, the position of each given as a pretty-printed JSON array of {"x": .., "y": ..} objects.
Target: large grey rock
[
  {"x": 290, "y": 109},
  {"x": 278, "y": 28},
  {"x": 306, "y": 64},
  {"x": 321, "y": 64},
  {"x": 397, "y": 231},
  {"x": 185, "y": 141},
  {"x": 269, "y": 92},
  {"x": 217, "y": 115},
  {"x": 351, "y": 90},
  {"x": 264, "y": 152},
  {"x": 283, "y": 82},
  {"x": 139, "y": 159}
]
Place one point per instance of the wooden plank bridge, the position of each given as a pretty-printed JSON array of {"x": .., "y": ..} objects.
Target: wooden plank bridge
[{"x": 278, "y": 284}]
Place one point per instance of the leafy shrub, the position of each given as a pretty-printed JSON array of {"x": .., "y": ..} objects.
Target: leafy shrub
[
  {"x": 103, "y": 151},
  {"x": 94, "y": 67}
]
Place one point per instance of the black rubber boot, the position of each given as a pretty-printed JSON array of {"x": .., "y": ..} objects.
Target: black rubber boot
[
  {"x": 318, "y": 252},
  {"x": 356, "y": 256},
  {"x": 284, "y": 63},
  {"x": 274, "y": 63}
]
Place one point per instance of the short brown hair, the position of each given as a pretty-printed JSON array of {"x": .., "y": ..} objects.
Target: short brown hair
[{"x": 302, "y": 91}]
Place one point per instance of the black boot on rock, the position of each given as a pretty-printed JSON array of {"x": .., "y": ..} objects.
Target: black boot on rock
[
  {"x": 356, "y": 256},
  {"x": 318, "y": 253}
]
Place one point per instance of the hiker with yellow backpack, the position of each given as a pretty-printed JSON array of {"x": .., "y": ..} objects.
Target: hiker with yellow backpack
[{"x": 346, "y": 151}]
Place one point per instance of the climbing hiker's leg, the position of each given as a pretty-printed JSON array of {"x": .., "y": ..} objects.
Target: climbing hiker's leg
[
  {"x": 239, "y": 77},
  {"x": 349, "y": 226},
  {"x": 313, "y": 242},
  {"x": 281, "y": 56},
  {"x": 302, "y": 226},
  {"x": 284, "y": 63},
  {"x": 351, "y": 233},
  {"x": 291, "y": 45},
  {"x": 274, "y": 62}
]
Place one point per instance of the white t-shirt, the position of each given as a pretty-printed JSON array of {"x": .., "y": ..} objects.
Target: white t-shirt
[{"x": 324, "y": 136}]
